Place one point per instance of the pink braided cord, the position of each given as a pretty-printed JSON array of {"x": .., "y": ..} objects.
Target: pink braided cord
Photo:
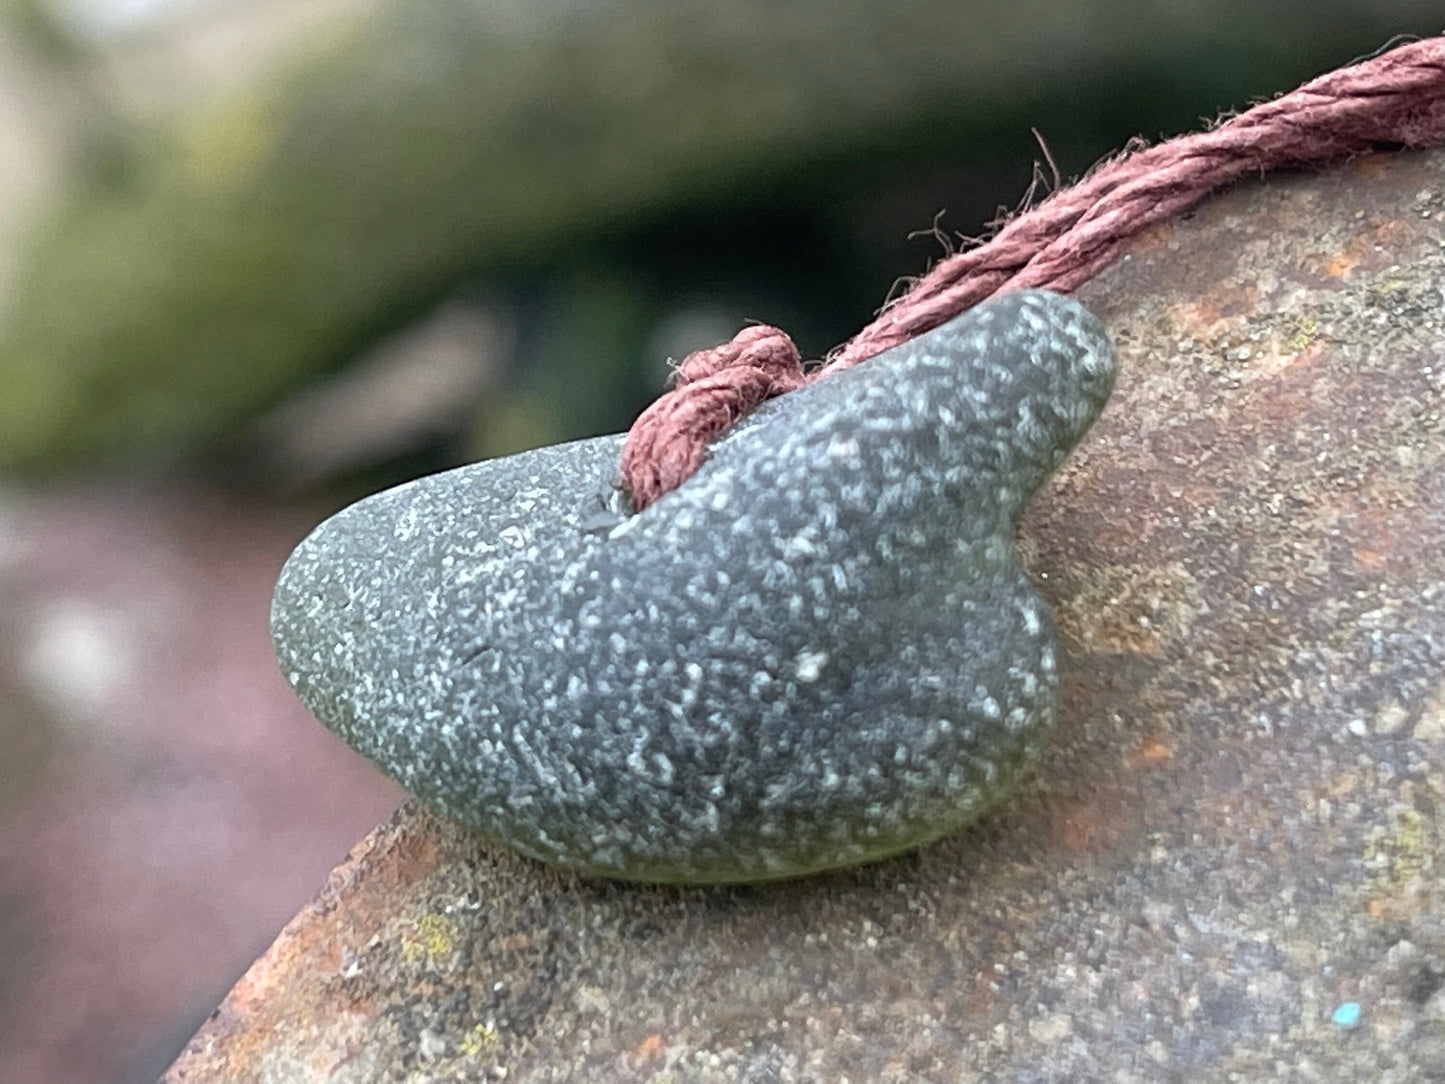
[{"x": 1396, "y": 98}]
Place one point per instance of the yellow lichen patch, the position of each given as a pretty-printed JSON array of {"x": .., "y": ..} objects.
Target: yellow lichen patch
[
  {"x": 433, "y": 940},
  {"x": 478, "y": 1038},
  {"x": 1400, "y": 853},
  {"x": 1301, "y": 332},
  {"x": 1279, "y": 351},
  {"x": 1128, "y": 609}
]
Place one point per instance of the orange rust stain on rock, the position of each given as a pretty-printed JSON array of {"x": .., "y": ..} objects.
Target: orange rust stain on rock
[
  {"x": 1373, "y": 559},
  {"x": 1372, "y": 248},
  {"x": 647, "y": 1054},
  {"x": 1205, "y": 317},
  {"x": 1230, "y": 299},
  {"x": 1154, "y": 238},
  {"x": 1084, "y": 827},
  {"x": 1292, "y": 392},
  {"x": 1383, "y": 541},
  {"x": 308, "y": 951},
  {"x": 1078, "y": 831},
  {"x": 1392, "y": 235},
  {"x": 1344, "y": 783},
  {"x": 1396, "y": 908},
  {"x": 982, "y": 996},
  {"x": 516, "y": 942},
  {"x": 408, "y": 860},
  {"x": 1154, "y": 751},
  {"x": 1340, "y": 786},
  {"x": 1338, "y": 267},
  {"x": 1301, "y": 361},
  {"x": 1376, "y": 166}
]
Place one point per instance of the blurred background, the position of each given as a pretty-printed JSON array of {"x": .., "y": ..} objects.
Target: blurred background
[{"x": 259, "y": 257}]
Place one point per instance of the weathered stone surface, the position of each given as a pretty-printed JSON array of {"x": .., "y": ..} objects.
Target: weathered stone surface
[
  {"x": 1236, "y": 830},
  {"x": 820, "y": 651}
]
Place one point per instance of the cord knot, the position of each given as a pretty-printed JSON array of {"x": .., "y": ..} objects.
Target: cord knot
[{"x": 713, "y": 388}]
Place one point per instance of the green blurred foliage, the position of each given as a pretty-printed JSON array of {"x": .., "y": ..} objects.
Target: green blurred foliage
[{"x": 267, "y": 235}]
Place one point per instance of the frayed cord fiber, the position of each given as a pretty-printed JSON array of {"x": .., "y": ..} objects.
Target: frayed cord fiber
[{"x": 1394, "y": 99}]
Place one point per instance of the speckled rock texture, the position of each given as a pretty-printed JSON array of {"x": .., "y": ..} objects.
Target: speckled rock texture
[
  {"x": 820, "y": 650},
  {"x": 1237, "y": 829}
]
